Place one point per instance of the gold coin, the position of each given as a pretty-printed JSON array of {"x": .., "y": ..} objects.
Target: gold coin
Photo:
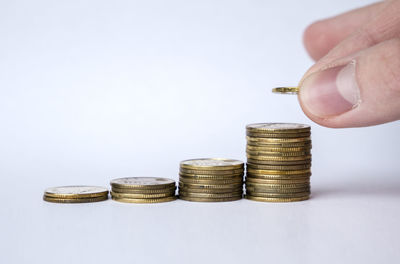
[
  {"x": 210, "y": 186},
  {"x": 279, "y": 158},
  {"x": 212, "y": 164},
  {"x": 143, "y": 191},
  {"x": 304, "y": 144},
  {"x": 274, "y": 149},
  {"x": 196, "y": 199},
  {"x": 276, "y": 135},
  {"x": 264, "y": 181},
  {"x": 280, "y": 168},
  {"x": 142, "y": 183},
  {"x": 209, "y": 195},
  {"x": 217, "y": 182},
  {"x": 75, "y": 200},
  {"x": 153, "y": 200},
  {"x": 276, "y": 200},
  {"x": 277, "y": 176},
  {"x": 286, "y": 90},
  {"x": 280, "y": 162},
  {"x": 278, "y": 128},
  {"x": 277, "y": 195},
  {"x": 277, "y": 190},
  {"x": 278, "y": 140},
  {"x": 77, "y": 191},
  {"x": 211, "y": 176},
  {"x": 212, "y": 172},
  {"x": 214, "y": 191},
  {"x": 277, "y": 185},
  {"x": 278, "y": 154},
  {"x": 142, "y": 196}
]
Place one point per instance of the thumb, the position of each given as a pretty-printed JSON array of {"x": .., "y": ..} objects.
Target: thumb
[{"x": 360, "y": 90}]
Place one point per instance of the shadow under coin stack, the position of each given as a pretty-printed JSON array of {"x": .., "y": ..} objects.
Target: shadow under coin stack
[
  {"x": 143, "y": 190},
  {"x": 211, "y": 180},
  {"x": 278, "y": 162}
]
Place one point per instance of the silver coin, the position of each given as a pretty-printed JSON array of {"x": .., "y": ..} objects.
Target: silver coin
[
  {"x": 211, "y": 162},
  {"x": 279, "y": 127},
  {"x": 142, "y": 182},
  {"x": 76, "y": 191}
]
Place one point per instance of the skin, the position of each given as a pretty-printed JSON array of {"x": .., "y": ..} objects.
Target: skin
[{"x": 369, "y": 36}]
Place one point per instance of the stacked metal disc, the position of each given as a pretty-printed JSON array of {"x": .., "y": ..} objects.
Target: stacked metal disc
[
  {"x": 211, "y": 180},
  {"x": 75, "y": 194},
  {"x": 278, "y": 162},
  {"x": 143, "y": 190}
]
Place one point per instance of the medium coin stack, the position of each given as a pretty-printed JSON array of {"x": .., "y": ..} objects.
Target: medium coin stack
[
  {"x": 143, "y": 190},
  {"x": 75, "y": 194},
  {"x": 211, "y": 180},
  {"x": 278, "y": 162}
]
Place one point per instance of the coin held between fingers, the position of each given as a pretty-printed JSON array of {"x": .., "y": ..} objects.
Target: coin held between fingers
[{"x": 286, "y": 90}]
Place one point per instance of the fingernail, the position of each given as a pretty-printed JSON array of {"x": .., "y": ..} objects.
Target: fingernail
[{"x": 331, "y": 92}]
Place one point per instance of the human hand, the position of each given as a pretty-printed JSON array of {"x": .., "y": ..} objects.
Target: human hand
[{"x": 356, "y": 79}]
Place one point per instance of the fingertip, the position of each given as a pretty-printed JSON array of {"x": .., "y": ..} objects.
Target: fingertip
[
  {"x": 316, "y": 40},
  {"x": 326, "y": 122}
]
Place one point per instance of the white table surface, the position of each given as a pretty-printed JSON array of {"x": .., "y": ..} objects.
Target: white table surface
[{"x": 94, "y": 90}]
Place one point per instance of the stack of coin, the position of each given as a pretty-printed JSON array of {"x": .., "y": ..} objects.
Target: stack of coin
[
  {"x": 143, "y": 190},
  {"x": 211, "y": 180},
  {"x": 75, "y": 194},
  {"x": 278, "y": 162}
]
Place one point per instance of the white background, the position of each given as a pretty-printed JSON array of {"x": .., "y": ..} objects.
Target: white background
[{"x": 95, "y": 90}]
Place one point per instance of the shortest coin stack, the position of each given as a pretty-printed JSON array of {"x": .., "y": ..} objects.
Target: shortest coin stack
[
  {"x": 278, "y": 162},
  {"x": 143, "y": 190},
  {"x": 211, "y": 180},
  {"x": 75, "y": 194}
]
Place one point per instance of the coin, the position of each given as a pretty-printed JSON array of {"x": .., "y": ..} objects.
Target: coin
[
  {"x": 214, "y": 190},
  {"x": 196, "y": 199},
  {"x": 277, "y": 200},
  {"x": 278, "y": 127},
  {"x": 278, "y": 176},
  {"x": 210, "y": 186},
  {"x": 278, "y": 158},
  {"x": 278, "y": 185},
  {"x": 154, "y": 200},
  {"x": 281, "y": 163},
  {"x": 212, "y": 164},
  {"x": 278, "y": 140},
  {"x": 142, "y": 196},
  {"x": 303, "y": 144},
  {"x": 277, "y": 190},
  {"x": 209, "y": 195},
  {"x": 276, "y": 181},
  {"x": 278, "y": 154},
  {"x": 279, "y": 167},
  {"x": 276, "y": 135},
  {"x": 286, "y": 90},
  {"x": 213, "y": 172},
  {"x": 217, "y": 182},
  {"x": 144, "y": 191},
  {"x": 211, "y": 176},
  {"x": 74, "y": 192},
  {"x": 143, "y": 183},
  {"x": 75, "y": 200},
  {"x": 269, "y": 169},
  {"x": 278, "y": 195},
  {"x": 275, "y": 149}
]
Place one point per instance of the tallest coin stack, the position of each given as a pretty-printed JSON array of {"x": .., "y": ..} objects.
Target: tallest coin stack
[{"x": 278, "y": 162}]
